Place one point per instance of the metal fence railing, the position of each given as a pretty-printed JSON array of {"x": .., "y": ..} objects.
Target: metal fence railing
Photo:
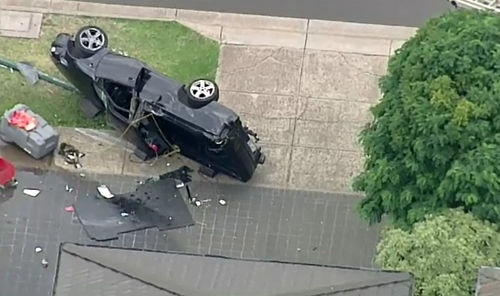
[{"x": 492, "y": 5}]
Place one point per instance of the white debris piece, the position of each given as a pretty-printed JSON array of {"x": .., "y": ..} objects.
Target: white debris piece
[
  {"x": 179, "y": 185},
  {"x": 31, "y": 192},
  {"x": 105, "y": 192},
  {"x": 68, "y": 189},
  {"x": 38, "y": 250},
  {"x": 197, "y": 203},
  {"x": 223, "y": 202},
  {"x": 124, "y": 214},
  {"x": 45, "y": 263}
]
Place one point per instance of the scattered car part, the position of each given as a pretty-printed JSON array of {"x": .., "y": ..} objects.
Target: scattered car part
[
  {"x": 38, "y": 249},
  {"x": 41, "y": 75},
  {"x": 31, "y": 192},
  {"x": 71, "y": 154},
  {"x": 154, "y": 110},
  {"x": 69, "y": 189},
  {"x": 89, "y": 40},
  {"x": 29, "y": 72},
  {"x": 153, "y": 204},
  {"x": 209, "y": 172},
  {"x": 105, "y": 192},
  {"x": 39, "y": 142}
]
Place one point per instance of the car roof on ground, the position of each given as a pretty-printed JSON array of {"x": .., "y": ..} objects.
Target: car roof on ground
[{"x": 88, "y": 270}]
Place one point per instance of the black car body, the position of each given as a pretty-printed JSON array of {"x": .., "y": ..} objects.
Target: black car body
[{"x": 156, "y": 113}]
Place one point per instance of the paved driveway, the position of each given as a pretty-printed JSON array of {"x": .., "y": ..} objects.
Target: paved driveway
[{"x": 308, "y": 107}]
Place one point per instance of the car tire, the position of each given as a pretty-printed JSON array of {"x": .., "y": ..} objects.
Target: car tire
[
  {"x": 89, "y": 40},
  {"x": 201, "y": 92}
]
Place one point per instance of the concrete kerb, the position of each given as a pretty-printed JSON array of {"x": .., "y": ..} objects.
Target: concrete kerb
[{"x": 232, "y": 28}]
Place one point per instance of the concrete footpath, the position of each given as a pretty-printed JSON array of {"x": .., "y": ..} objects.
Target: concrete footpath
[{"x": 304, "y": 85}]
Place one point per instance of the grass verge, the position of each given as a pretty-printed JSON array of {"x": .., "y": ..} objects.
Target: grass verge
[{"x": 168, "y": 47}]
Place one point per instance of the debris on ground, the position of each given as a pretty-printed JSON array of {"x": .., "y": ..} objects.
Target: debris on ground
[
  {"x": 82, "y": 175},
  {"x": 105, "y": 192},
  {"x": 31, "y": 192},
  {"x": 69, "y": 209},
  {"x": 154, "y": 204},
  {"x": 29, "y": 72},
  {"x": 179, "y": 185},
  {"x": 222, "y": 202},
  {"x": 69, "y": 189},
  {"x": 38, "y": 249},
  {"x": 71, "y": 154},
  {"x": 45, "y": 263},
  {"x": 183, "y": 174}
]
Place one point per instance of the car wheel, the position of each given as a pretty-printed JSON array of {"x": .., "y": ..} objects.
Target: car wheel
[
  {"x": 89, "y": 40},
  {"x": 201, "y": 92}
]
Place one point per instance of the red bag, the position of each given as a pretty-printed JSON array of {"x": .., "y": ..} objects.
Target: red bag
[{"x": 23, "y": 120}]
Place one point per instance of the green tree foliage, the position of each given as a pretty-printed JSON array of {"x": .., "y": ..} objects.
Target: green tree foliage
[
  {"x": 443, "y": 252},
  {"x": 434, "y": 142}
]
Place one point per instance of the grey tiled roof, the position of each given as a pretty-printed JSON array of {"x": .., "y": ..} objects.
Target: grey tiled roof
[
  {"x": 488, "y": 281},
  {"x": 96, "y": 271}
]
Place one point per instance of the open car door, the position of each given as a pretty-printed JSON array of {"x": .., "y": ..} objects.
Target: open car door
[{"x": 121, "y": 106}]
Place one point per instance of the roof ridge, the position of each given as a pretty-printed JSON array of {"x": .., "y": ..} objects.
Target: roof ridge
[
  {"x": 162, "y": 284},
  {"x": 357, "y": 285}
]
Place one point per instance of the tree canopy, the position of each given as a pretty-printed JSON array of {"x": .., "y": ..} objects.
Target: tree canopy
[
  {"x": 443, "y": 252},
  {"x": 434, "y": 142}
]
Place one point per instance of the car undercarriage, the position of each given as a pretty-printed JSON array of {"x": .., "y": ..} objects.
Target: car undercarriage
[{"x": 159, "y": 115}]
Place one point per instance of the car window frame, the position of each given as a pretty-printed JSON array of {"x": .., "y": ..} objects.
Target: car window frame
[{"x": 110, "y": 104}]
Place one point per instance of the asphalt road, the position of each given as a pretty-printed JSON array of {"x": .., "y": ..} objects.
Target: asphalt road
[{"x": 388, "y": 12}]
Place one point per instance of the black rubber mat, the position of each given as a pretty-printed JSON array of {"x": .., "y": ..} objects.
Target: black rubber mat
[{"x": 153, "y": 204}]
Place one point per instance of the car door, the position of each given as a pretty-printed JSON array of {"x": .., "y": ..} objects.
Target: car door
[{"x": 117, "y": 116}]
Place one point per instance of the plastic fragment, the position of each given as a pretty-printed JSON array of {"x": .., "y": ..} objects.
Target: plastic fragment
[
  {"x": 45, "y": 263},
  {"x": 123, "y": 214},
  {"x": 105, "y": 192},
  {"x": 29, "y": 72},
  {"x": 38, "y": 249},
  {"x": 223, "y": 202},
  {"x": 69, "y": 209},
  {"x": 31, "y": 192}
]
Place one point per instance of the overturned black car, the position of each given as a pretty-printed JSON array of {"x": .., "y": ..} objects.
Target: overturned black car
[{"x": 155, "y": 113}]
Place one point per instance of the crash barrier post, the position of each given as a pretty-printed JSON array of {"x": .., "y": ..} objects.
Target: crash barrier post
[{"x": 41, "y": 75}]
